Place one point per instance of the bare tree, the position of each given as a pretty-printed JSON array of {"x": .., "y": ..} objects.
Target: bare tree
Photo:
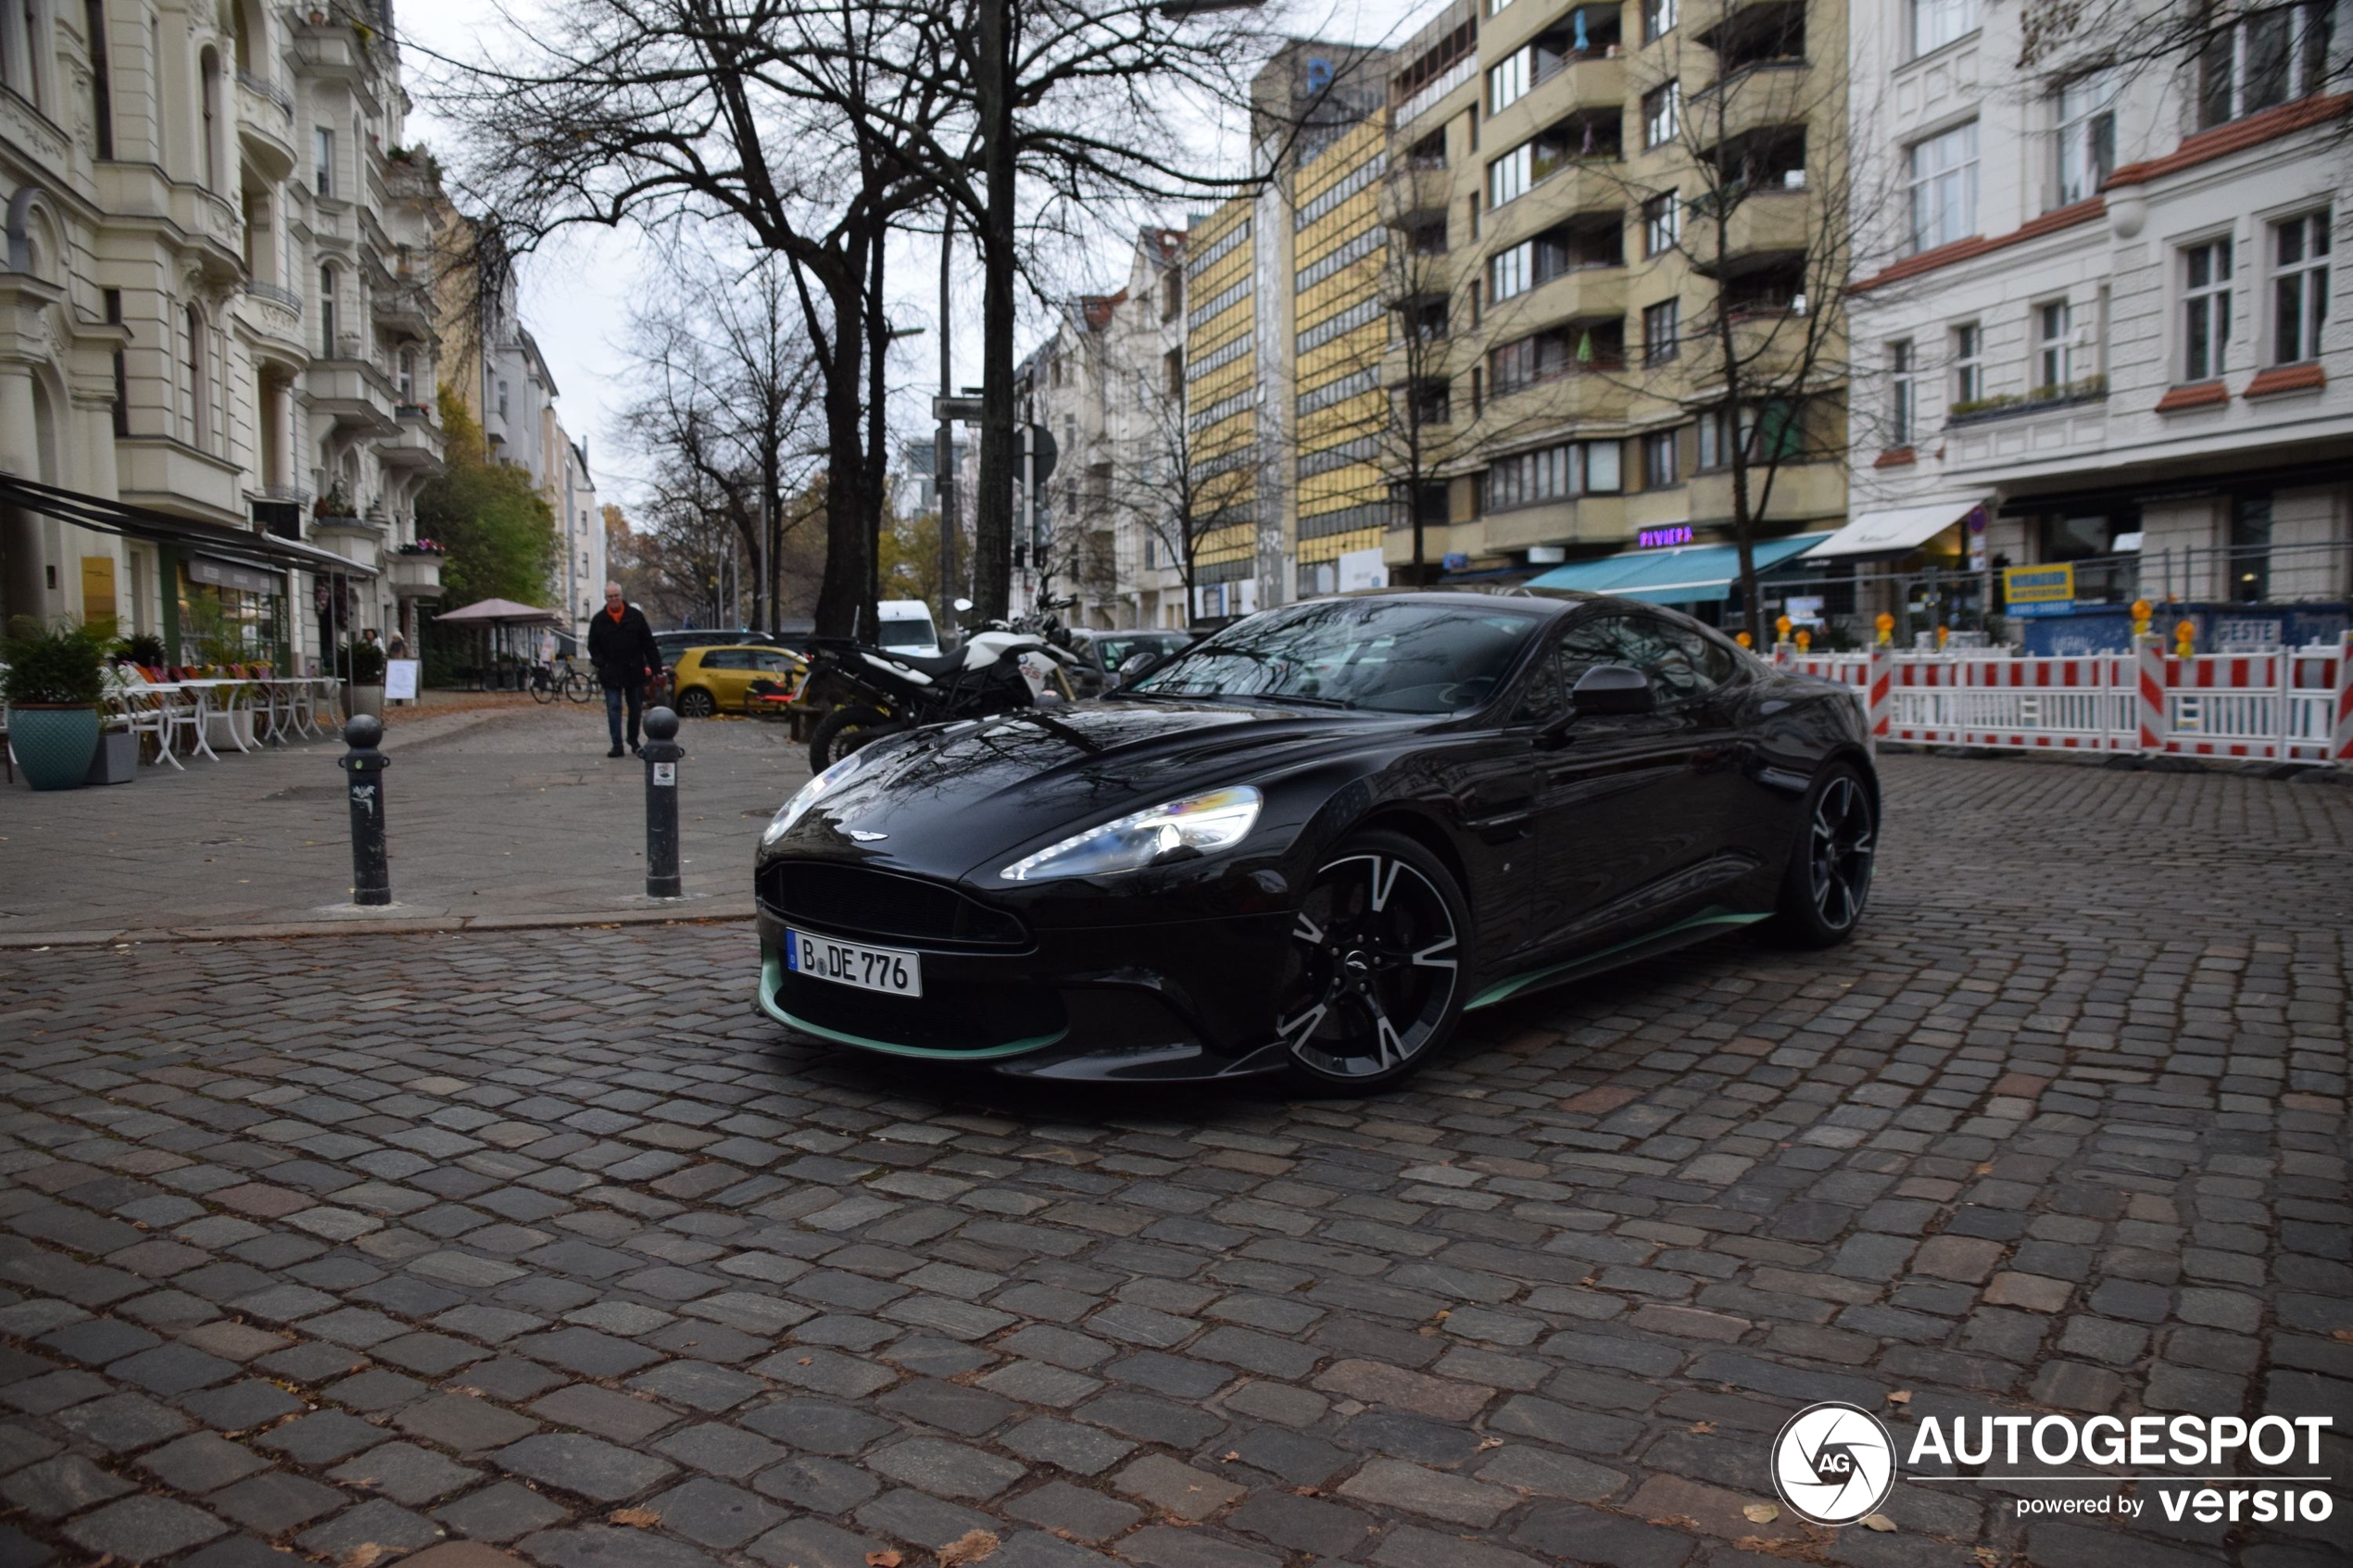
[{"x": 732, "y": 399}]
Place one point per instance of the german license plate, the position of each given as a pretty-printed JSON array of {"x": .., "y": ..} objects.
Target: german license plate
[{"x": 890, "y": 969}]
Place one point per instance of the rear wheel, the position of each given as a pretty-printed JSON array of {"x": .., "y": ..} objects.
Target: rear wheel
[
  {"x": 844, "y": 730},
  {"x": 1829, "y": 866},
  {"x": 543, "y": 690},
  {"x": 1373, "y": 984},
  {"x": 578, "y": 687},
  {"x": 696, "y": 703}
]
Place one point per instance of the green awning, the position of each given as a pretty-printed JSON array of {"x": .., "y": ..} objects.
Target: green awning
[{"x": 1686, "y": 574}]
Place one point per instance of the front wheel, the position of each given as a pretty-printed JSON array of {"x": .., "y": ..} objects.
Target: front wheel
[
  {"x": 543, "y": 690},
  {"x": 578, "y": 687},
  {"x": 1829, "y": 866},
  {"x": 844, "y": 730},
  {"x": 696, "y": 703},
  {"x": 1373, "y": 980}
]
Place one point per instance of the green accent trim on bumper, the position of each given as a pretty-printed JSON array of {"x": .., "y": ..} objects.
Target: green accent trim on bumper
[
  {"x": 772, "y": 969},
  {"x": 1503, "y": 990}
]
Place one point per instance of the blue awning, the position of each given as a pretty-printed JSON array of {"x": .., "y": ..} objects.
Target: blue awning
[{"x": 1687, "y": 574}]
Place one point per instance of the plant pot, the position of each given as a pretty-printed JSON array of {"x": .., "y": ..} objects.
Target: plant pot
[
  {"x": 116, "y": 760},
  {"x": 54, "y": 745},
  {"x": 364, "y": 699}
]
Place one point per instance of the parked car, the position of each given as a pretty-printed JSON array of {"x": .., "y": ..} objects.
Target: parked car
[
  {"x": 719, "y": 680},
  {"x": 1311, "y": 842},
  {"x": 907, "y": 628},
  {"x": 1101, "y": 655},
  {"x": 674, "y": 643}
]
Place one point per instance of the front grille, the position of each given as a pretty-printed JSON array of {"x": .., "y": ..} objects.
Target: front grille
[
  {"x": 857, "y": 901},
  {"x": 947, "y": 1017}
]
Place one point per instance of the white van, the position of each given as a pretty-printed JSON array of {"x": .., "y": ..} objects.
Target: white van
[{"x": 907, "y": 628}]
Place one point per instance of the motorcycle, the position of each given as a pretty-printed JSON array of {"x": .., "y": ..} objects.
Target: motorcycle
[{"x": 871, "y": 692}]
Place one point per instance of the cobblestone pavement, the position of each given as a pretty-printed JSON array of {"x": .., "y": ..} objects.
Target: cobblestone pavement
[
  {"x": 515, "y": 814},
  {"x": 542, "y": 1247}
]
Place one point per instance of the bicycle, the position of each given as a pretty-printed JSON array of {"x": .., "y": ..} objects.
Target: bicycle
[{"x": 547, "y": 683}]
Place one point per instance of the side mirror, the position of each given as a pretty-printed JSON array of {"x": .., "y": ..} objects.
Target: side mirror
[
  {"x": 1611, "y": 689},
  {"x": 961, "y": 607}
]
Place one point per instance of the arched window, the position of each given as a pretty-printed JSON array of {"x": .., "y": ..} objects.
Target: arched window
[{"x": 326, "y": 312}]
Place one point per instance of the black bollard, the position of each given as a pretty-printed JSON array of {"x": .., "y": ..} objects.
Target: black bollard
[
  {"x": 371, "y": 877},
  {"x": 661, "y": 753}
]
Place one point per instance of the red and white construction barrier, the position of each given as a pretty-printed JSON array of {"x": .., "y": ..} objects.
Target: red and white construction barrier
[{"x": 2273, "y": 705}]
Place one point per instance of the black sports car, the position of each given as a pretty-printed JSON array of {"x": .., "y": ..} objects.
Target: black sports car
[{"x": 1313, "y": 841}]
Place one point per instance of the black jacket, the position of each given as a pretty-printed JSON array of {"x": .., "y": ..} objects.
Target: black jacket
[{"x": 624, "y": 650}]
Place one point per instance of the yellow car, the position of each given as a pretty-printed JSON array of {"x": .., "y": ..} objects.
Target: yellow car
[{"x": 709, "y": 681}]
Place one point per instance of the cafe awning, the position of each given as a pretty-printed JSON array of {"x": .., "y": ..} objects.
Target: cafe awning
[
  {"x": 497, "y": 612},
  {"x": 1686, "y": 574},
  {"x": 1894, "y": 530},
  {"x": 268, "y": 552}
]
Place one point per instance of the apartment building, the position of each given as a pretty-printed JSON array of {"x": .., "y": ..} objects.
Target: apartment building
[
  {"x": 2101, "y": 330},
  {"x": 1109, "y": 387},
  {"x": 216, "y": 384}
]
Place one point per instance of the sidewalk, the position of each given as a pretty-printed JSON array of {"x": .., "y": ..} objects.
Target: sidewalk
[{"x": 501, "y": 813}]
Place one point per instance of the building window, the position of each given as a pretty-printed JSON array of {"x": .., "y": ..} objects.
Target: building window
[
  {"x": 2206, "y": 310},
  {"x": 1938, "y": 22},
  {"x": 408, "y": 375},
  {"x": 323, "y": 158},
  {"x": 1659, "y": 19},
  {"x": 1552, "y": 473},
  {"x": 326, "y": 312},
  {"x": 1510, "y": 272},
  {"x": 1662, "y": 333},
  {"x": 2252, "y": 548},
  {"x": 1969, "y": 366},
  {"x": 2055, "y": 347},
  {"x": 1903, "y": 394},
  {"x": 122, "y": 395},
  {"x": 1662, "y": 223},
  {"x": 1660, "y": 465},
  {"x": 208, "y": 92},
  {"x": 1507, "y": 83},
  {"x": 502, "y": 400},
  {"x": 1944, "y": 187},
  {"x": 2262, "y": 59},
  {"x": 2299, "y": 287},
  {"x": 1783, "y": 437},
  {"x": 101, "y": 78},
  {"x": 2085, "y": 110},
  {"x": 1662, "y": 112},
  {"x": 197, "y": 422},
  {"x": 1508, "y": 175}
]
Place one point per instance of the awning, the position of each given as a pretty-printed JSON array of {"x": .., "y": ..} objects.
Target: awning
[
  {"x": 497, "y": 612},
  {"x": 1687, "y": 574},
  {"x": 1896, "y": 530},
  {"x": 267, "y": 551}
]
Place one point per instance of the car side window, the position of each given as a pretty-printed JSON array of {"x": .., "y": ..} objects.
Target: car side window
[
  {"x": 773, "y": 663},
  {"x": 1575, "y": 651},
  {"x": 1681, "y": 664},
  {"x": 726, "y": 658}
]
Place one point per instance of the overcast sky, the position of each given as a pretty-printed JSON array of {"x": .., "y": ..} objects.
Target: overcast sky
[{"x": 575, "y": 291}]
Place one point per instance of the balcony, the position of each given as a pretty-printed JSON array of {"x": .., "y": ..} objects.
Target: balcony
[
  {"x": 272, "y": 318},
  {"x": 1761, "y": 98},
  {"x": 352, "y": 393},
  {"x": 1763, "y": 223},
  {"x": 170, "y": 476},
  {"x": 404, "y": 309},
  {"x": 265, "y": 126},
  {"x": 417, "y": 443},
  {"x": 414, "y": 576}
]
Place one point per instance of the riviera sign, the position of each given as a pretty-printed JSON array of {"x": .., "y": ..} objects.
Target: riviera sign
[{"x": 1659, "y": 538}]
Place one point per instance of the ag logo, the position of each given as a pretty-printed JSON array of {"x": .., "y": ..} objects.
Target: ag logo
[{"x": 1833, "y": 1464}]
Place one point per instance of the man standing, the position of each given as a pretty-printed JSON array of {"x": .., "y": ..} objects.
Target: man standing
[{"x": 622, "y": 646}]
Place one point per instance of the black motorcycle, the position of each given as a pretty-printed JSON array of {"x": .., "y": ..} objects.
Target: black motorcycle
[{"x": 870, "y": 690}]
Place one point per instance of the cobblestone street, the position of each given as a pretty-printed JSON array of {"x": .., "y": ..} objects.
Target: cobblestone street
[{"x": 544, "y": 1241}]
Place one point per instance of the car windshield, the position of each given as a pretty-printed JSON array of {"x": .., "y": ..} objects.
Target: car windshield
[
  {"x": 1397, "y": 655},
  {"x": 907, "y": 634}
]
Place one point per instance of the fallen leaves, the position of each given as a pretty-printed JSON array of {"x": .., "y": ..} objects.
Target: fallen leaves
[
  {"x": 1760, "y": 1513},
  {"x": 1900, "y": 1397},
  {"x": 1878, "y": 1521},
  {"x": 970, "y": 1546},
  {"x": 1486, "y": 1443},
  {"x": 1701, "y": 1428},
  {"x": 365, "y": 1555},
  {"x": 635, "y": 1518},
  {"x": 881, "y": 1560}
]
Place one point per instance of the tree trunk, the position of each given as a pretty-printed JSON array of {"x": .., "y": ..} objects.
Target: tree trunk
[
  {"x": 993, "y": 507},
  {"x": 842, "y": 596}
]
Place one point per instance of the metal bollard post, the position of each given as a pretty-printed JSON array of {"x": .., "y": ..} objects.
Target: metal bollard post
[
  {"x": 661, "y": 753},
  {"x": 371, "y": 877}
]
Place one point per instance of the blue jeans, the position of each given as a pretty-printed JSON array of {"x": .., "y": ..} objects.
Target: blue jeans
[{"x": 635, "y": 694}]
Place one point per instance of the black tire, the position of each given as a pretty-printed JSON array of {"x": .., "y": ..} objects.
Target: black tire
[
  {"x": 696, "y": 703},
  {"x": 844, "y": 730},
  {"x": 543, "y": 689},
  {"x": 578, "y": 687},
  {"x": 1828, "y": 879},
  {"x": 1380, "y": 936}
]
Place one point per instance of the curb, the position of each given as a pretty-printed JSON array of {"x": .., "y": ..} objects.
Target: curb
[{"x": 392, "y": 925}]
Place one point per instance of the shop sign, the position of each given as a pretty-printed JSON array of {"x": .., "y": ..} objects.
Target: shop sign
[
  {"x": 2040, "y": 590},
  {"x": 245, "y": 579},
  {"x": 1661, "y": 538}
]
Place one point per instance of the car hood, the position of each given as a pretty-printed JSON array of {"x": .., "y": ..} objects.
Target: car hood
[{"x": 947, "y": 800}]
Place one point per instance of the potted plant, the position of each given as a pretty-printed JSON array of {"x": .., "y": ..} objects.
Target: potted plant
[
  {"x": 145, "y": 650},
  {"x": 52, "y": 684},
  {"x": 365, "y": 694}
]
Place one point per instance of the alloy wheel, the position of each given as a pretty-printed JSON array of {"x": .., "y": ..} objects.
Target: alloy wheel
[
  {"x": 1839, "y": 852},
  {"x": 1373, "y": 968}
]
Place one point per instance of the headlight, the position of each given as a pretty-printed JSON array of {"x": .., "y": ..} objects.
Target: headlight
[
  {"x": 1198, "y": 823},
  {"x": 811, "y": 792}
]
